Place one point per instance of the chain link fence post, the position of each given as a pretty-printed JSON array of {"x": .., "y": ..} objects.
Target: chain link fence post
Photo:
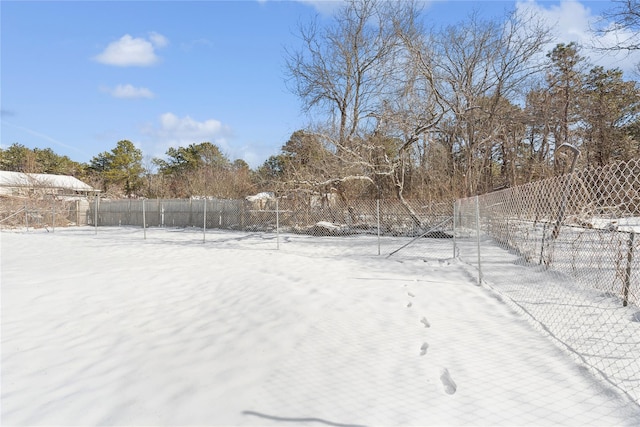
[
  {"x": 95, "y": 213},
  {"x": 378, "y": 222},
  {"x": 53, "y": 216},
  {"x": 144, "y": 220},
  {"x": 277, "y": 224},
  {"x": 477, "y": 215},
  {"x": 455, "y": 224},
  {"x": 627, "y": 278},
  {"x": 204, "y": 222}
]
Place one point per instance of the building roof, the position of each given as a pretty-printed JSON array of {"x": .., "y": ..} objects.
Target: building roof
[{"x": 41, "y": 180}]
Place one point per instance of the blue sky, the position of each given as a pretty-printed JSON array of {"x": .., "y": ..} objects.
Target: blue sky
[{"x": 77, "y": 77}]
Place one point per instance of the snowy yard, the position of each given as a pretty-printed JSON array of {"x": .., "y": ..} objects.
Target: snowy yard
[{"x": 111, "y": 329}]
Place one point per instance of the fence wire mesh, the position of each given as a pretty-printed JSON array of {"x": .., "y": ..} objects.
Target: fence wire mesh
[
  {"x": 42, "y": 213},
  {"x": 429, "y": 225},
  {"x": 574, "y": 239}
]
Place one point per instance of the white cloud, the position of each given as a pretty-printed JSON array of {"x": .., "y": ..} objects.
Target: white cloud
[
  {"x": 174, "y": 131},
  {"x": 186, "y": 126},
  {"x": 158, "y": 40},
  {"x": 128, "y": 92},
  {"x": 129, "y": 51},
  {"x": 572, "y": 21}
]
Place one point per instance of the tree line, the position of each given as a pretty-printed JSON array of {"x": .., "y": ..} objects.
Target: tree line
[
  {"x": 400, "y": 110},
  {"x": 198, "y": 170}
]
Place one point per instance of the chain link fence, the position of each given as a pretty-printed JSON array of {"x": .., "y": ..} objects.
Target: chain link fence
[
  {"x": 428, "y": 224},
  {"x": 43, "y": 212},
  {"x": 574, "y": 240}
]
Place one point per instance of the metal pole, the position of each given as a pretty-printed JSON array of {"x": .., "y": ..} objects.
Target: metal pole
[
  {"x": 95, "y": 213},
  {"x": 378, "y": 220},
  {"x": 277, "y": 224},
  {"x": 455, "y": 220},
  {"x": 144, "y": 221},
  {"x": 204, "y": 223},
  {"x": 627, "y": 275},
  {"x": 478, "y": 240}
]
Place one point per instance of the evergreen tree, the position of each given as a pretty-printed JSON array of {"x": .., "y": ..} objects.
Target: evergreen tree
[
  {"x": 120, "y": 168},
  {"x": 609, "y": 104}
]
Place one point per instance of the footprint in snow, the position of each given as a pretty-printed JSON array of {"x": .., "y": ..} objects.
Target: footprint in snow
[
  {"x": 423, "y": 349},
  {"x": 449, "y": 385},
  {"x": 410, "y": 294},
  {"x": 425, "y": 322},
  {"x": 409, "y": 304}
]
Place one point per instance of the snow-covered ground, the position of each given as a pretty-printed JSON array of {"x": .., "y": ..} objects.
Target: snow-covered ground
[{"x": 111, "y": 329}]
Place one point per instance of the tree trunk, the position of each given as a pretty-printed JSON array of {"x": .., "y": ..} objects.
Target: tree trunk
[{"x": 399, "y": 185}]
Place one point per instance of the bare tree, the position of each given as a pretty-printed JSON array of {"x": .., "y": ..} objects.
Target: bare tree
[
  {"x": 348, "y": 70},
  {"x": 342, "y": 68},
  {"x": 625, "y": 16},
  {"x": 472, "y": 70}
]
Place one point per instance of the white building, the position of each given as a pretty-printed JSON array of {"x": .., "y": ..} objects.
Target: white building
[{"x": 26, "y": 184}]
